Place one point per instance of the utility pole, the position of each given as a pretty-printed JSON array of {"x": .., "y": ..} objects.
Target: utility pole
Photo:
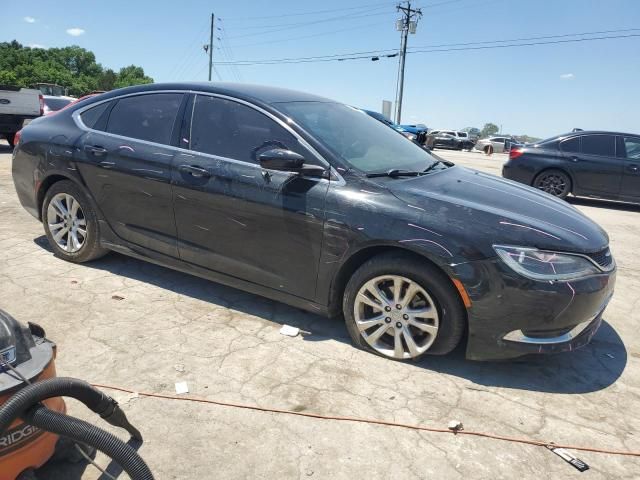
[
  {"x": 407, "y": 24},
  {"x": 211, "y": 46}
]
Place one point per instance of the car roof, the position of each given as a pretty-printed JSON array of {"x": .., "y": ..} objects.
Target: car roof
[
  {"x": 259, "y": 93},
  {"x": 600, "y": 132}
]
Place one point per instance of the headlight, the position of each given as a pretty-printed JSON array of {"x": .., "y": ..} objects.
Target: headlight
[
  {"x": 410, "y": 136},
  {"x": 546, "y": 266}
]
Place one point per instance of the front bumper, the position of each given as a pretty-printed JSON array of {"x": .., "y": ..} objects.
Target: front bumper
[{"x": 511, "y": 315}]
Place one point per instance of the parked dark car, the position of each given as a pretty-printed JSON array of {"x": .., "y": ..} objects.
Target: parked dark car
[
  {"x": 318, "y": 205},
  {"x": 451, "y": 139},
  {"x": 583, "y": 163}
]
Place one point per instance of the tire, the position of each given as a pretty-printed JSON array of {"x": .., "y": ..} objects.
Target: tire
[
  {"x": 436, "y": 295},
  {"x": 488, "y": 150},
  {"x": 11, "y": 139},
  {"x": 83, "y": 247},
  {"x": 554, "y": 182}
]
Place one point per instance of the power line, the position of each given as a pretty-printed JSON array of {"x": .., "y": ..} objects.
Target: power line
[
  {"x": 310, "y": 22},
  {"x": 331, "y": 10},
  {"x": 188, "y": 53},
  {"x": 437, "y": 47},
  {"x": 269, "y": 30},
  {"x": 313, "y": 35},
  {"x": 227, "y": 51},
  {"x": 530, "y": 38}
]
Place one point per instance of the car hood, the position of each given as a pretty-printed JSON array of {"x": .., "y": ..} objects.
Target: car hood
[{"x": 487, "y": 210}]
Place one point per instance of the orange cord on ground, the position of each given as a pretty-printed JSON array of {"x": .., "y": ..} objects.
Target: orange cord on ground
[{"x": 525, "y": 441}]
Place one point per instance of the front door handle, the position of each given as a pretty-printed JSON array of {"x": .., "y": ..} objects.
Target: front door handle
[
  {"x": 194, "y": 171},
  {"x": 633, "y": 168},
  {"x": 575, "y": 159},
  {"x": 96, "y": 150}
]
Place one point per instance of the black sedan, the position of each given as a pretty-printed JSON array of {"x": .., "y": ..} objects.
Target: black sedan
[
  {"x": 316, "y": 204},
  {"x": 589, "y": 164}
]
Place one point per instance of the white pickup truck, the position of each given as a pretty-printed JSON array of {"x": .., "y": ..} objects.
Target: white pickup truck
[{"x": 17, "y": 105}]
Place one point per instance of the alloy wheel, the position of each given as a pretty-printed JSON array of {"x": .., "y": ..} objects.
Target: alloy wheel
[
  {"x": 67, "y": 223},
  {"x": 396, "y": 316},
  {"x": 553, "y": 183}
]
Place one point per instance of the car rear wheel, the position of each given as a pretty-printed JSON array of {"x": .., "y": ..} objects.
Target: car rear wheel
[
  {"x": 555, "y": 182},
  {"x": 71, "y": 224},
  {"x": 11, "y": 139},
  {"x": 402, "y": 309},
  {"x": 488, "y": 150}
]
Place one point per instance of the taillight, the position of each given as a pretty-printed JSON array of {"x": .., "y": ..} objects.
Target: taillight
[
  {"x": 16, "y": 137},
  {"x": 41, "y": 98},
  {"x": 515, "y": 153}
]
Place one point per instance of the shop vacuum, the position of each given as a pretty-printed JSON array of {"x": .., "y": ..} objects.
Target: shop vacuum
[{"x": 33, "y": 420}]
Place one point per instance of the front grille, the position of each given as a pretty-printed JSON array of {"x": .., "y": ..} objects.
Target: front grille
[{"x": 602, "y": 258}]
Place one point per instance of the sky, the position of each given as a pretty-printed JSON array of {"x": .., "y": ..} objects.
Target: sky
[{"x": 539, "y": 90}]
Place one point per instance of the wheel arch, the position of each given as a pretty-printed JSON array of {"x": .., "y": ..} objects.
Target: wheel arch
[
  {"x": 46, "y": 183},
  {"x": 358, "y": 258}
]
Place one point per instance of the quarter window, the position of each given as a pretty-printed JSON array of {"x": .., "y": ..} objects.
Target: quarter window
[
  {"x": 632, "y": 147},
  {"x": 90, "y": 117},
  {"x": 232, "y": 130},
  {"x": 145, "y": 117},
  {"x": 571, "y": 145},
  {"x": 603, "y": 145}
]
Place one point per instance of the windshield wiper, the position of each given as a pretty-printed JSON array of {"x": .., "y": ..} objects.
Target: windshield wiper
[
  {"x": 394, "y": 173},
  {"x": 435, "y": 164}
]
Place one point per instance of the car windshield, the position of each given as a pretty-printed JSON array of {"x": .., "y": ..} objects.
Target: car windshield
[
  {"x": 462, "y": 134},
  {"x": 360, "y": 140}
]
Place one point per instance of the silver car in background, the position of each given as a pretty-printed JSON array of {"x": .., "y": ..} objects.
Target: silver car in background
[{"x": 500, "y": 144}]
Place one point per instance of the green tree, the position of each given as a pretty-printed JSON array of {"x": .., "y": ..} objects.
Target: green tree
[
  {"x": 72, "y": 67},
  {"x": 489, "y": 129},
  {"x": 132, "y": 75},
  {"x": 107, "y": 80}
]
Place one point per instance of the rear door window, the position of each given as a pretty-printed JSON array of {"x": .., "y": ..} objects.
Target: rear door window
[
  {"x": 632, "y": 147},
  {"x": 570, "y": 145},
  {"x": 233, "y": 130},
  {"x": 149, "y": 117},
  {"x": 602, "y": 145}
]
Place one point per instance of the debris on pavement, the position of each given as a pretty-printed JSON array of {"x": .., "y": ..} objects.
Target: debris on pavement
[
  {"x": 117, "y": 297},
  {"x": 179, "y": 367},
  {"x": 455, "y": 426},
  {"x": 569, "y": 458},
  {"x": 182, "y": 387},
  {"x": 289, "y": 331}
]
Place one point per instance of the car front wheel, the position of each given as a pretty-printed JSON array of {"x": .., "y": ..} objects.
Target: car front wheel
[
  {"x": 402, "y": 309},
  {"x": 71, "y": 224}
]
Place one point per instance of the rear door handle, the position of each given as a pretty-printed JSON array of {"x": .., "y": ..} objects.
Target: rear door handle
[
  {"x": 195, "y": 171},
  {"x": 96, "y": 150},
  {"x": 575, "y": 159},
  {"x": 633, "y": 168}
]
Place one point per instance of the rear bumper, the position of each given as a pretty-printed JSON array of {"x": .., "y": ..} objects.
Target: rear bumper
[
  {"x": 513, "y": 316},
  {"x": 518, "y": 173}
]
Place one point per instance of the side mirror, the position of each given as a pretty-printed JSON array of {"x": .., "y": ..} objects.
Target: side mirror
[
  {"x": 287, "y": 161},
  {"x": 281, "y": 159}
]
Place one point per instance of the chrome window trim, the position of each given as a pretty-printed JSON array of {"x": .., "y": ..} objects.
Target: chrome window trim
[{"x": 76, "y": 115}]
